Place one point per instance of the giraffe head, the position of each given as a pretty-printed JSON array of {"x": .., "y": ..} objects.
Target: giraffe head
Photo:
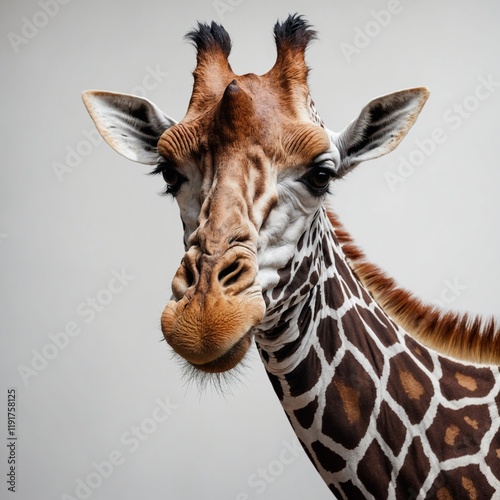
[{"x": 249, "y": 165}]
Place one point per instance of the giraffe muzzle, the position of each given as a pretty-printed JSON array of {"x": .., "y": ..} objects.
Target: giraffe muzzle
[{"x": 217, "y": 302}]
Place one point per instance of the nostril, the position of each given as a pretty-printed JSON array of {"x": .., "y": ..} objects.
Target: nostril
[
  {"x": 230, "y": 274},
  {"x": 189, "y": 277},
  {"x": 184, "y": 279}
]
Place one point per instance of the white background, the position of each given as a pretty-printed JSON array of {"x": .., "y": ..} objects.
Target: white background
[{"x": 61, "y": 238}]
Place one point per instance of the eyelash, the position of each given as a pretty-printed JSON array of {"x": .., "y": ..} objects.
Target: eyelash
[
  {"x": 165, "y": 169},
  {"x": 173, "y": 187}
]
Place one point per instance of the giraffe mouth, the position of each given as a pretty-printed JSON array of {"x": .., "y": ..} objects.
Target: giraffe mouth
[
  {"x": 229, "y": 359},
  {"x": 212, "y": 334}
]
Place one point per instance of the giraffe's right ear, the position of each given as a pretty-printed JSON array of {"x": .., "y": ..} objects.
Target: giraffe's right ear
[{"x": 131, "y": 125}]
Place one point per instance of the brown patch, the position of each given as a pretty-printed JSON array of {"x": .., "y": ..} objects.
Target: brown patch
[
  {"x": 302, "y": 272},
  {"x": 420, "y": 353},
  {"x": 305, "y": 316},
  {"x": 355, "y": 329},
  {"x": 450, "y": 435},
  {"x": 328, "y": 337},
  {"x": 328, "y": 250},
  {"x": 459, "y": 381},
  {"x": 411, "y": 386},
  {"x": 287, "y": 350},
  {"x": 463, "y": 482},
  {"x": 350, "y": 401},
  {"x": 305, "y": 416},
  {"x": 473, "y": 423},
  {"x": 374, "y": 471},
  {"x": 466, "y": 381},
  {"x": 459, "y": 335},
  {"x": 459, "y": 438},
  {"x": 443, "y": 494},
  {"x": 383, "y": 318},
  {"x": 328, "y": 459},
  {"x": 493, "y": 458},
  {"x": 414, "y": 471},
  {"x": 346, "y": 276},
  {"x": 390, "y": 427},
  {"x": 284, "y": 274},
  {"x": 334, "y": 294},
  {"x": 305, "y": 375},
  {"x": 350, "y": 490},
  {"x": 383, "y": 330},
  {"x": 468, "y": 486}
]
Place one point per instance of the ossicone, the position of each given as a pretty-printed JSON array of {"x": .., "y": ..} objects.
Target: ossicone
[{"x": 292, "y": 38}]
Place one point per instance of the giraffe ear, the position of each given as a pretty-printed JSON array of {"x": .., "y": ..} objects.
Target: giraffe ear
[
  {"x": 380, "y": 127},
  {"x": 131, "y": 125}
]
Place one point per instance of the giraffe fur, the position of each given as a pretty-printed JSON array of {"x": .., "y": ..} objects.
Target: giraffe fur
[
  {"x": 390, "y": 398},
  {"x": 378, "y": 413}
]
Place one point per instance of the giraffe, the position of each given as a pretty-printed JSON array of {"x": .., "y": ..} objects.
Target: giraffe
[{"x": 389, "y": 397}]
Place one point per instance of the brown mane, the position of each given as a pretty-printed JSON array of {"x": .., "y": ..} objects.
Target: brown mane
[{"x": 459, "y": 335}]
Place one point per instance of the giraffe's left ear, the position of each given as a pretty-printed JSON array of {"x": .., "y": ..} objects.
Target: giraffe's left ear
[{"x": 379, "y": 128}]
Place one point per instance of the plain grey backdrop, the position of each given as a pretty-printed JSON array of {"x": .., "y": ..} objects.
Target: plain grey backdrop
[{"x": 88, "y": 248}]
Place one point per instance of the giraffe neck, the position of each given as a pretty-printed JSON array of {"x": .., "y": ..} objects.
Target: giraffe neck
[{"x": 378, "y": 414}]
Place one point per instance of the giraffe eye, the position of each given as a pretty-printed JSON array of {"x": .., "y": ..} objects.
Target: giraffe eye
[
  {"x": 317, "y": 180},
  {"x": 173, "y": 179},
  {"x": 171, "y": 176}
]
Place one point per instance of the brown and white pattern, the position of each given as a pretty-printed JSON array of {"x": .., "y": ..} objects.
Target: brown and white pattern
[
  {"x": 363, "y": 369},
  {"x": 379, "y": 414}
]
